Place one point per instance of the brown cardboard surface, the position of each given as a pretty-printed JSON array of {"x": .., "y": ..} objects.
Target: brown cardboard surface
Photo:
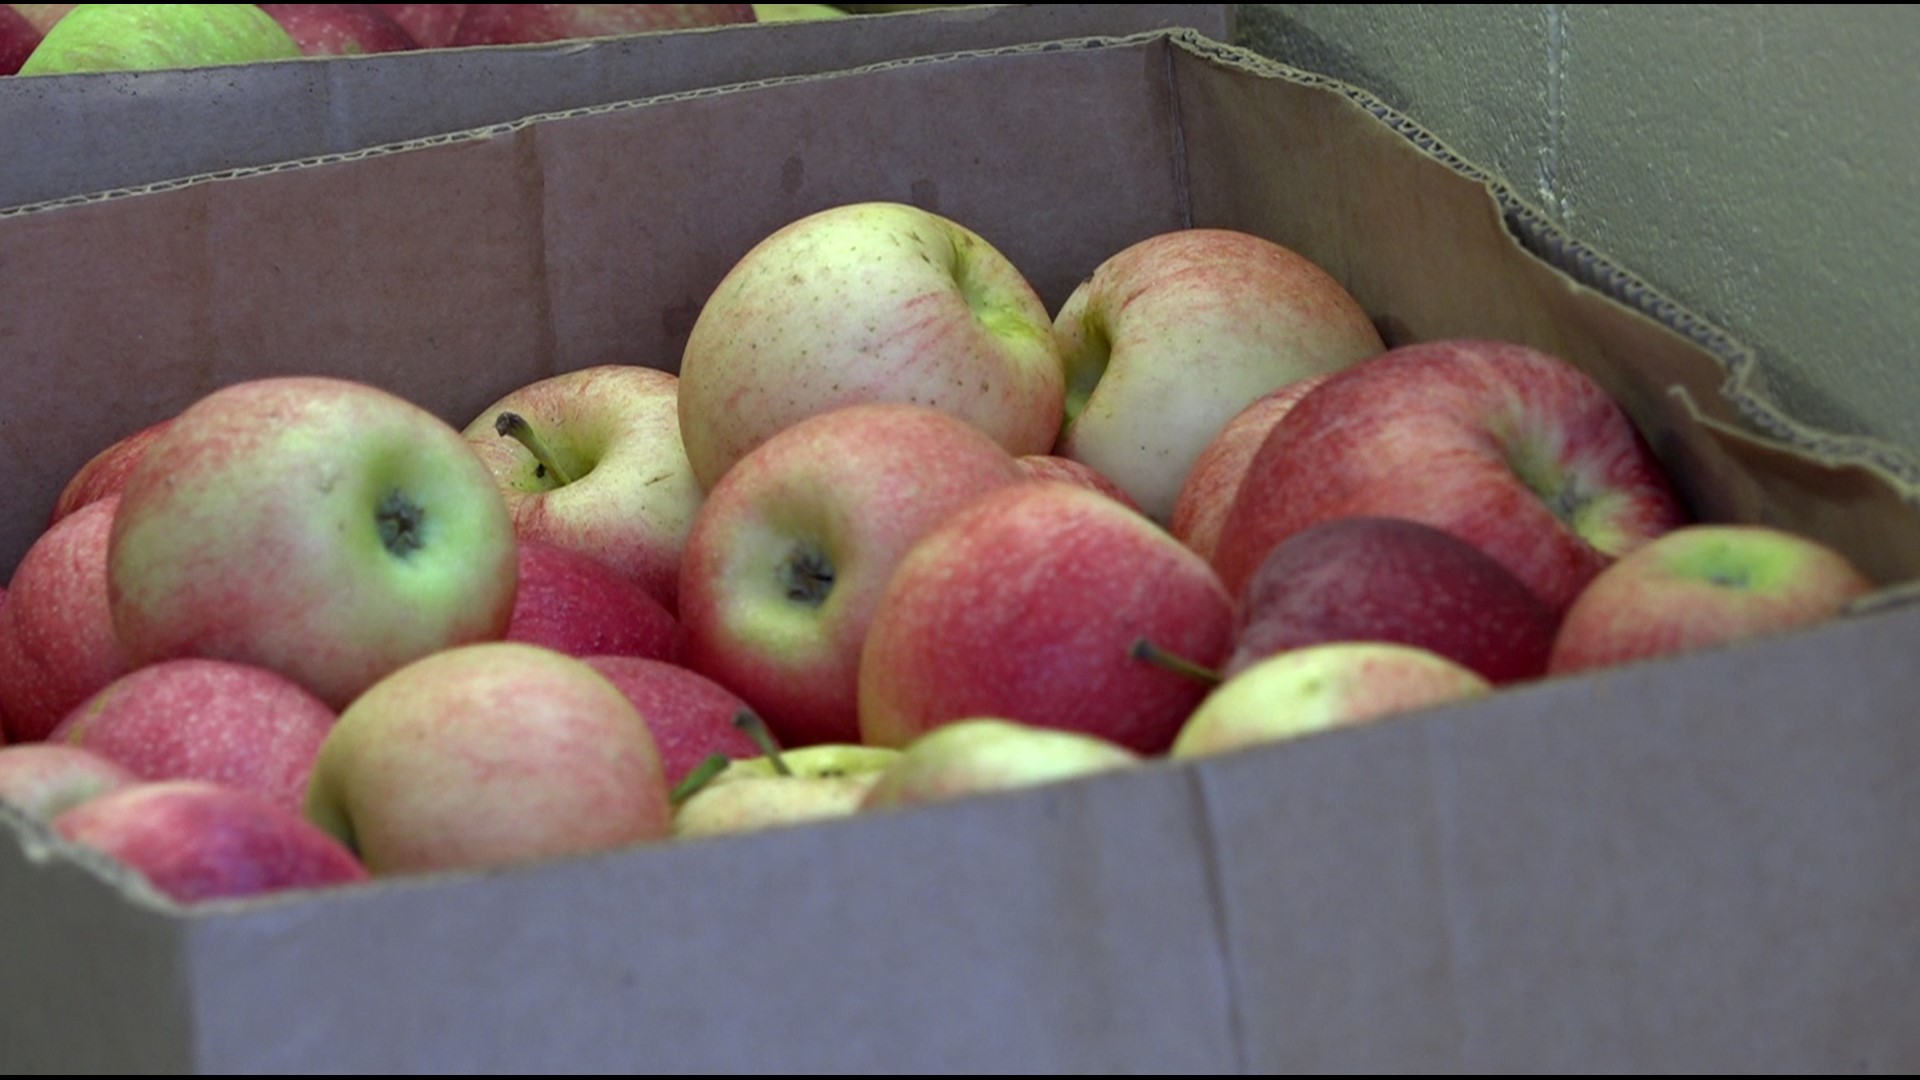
[
  {"x": 79, "y": 134},
  {"x": 1703, "y": 863}
]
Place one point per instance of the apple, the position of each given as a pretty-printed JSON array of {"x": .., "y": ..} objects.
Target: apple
[
  {"x": 592, "y": 460},
  {"x": 340, "y": 29},
  {"x": 147, "y": 37},
  {"x": 1175, "y": 334},
  {"x": 578, "y": 605},
  {"x": 690, "y": 715},
  {"x": 513, "y": 24},
  {"x": 1319, "y": 688},
  {"x": 1067, "y": 470},
  {"x": 57, "y": 639},
  {"x": 767, "y": 13},
  {"x": 1511, "y": 449},
  {"x": 488, "y": 754},
  {"x": 861, "y": 303},
  {"x": 195, "y": 719},
  {"x": 1024, "y": 606},
  {"x": 106, "y": 472},
  {"x": 813, "y": 783},
  {"x": 981, "y": 754},
  {"x": 1211, "y": 484},
  {"x": 322, "y": 528},
  {"x": 43, "y": 16},
  {"x": 1701, "y": 586},
  {"x": 18, "y": 39},
  {"x": 194, "y": 840},
  {"x": 431, "y": 26},
  {"x": 45, "y": 779},
  {"x": 792, "y": 548},
  {"x": 1389, "y": 579}
]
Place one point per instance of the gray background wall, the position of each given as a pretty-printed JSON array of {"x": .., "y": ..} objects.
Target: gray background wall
[{"x": 1759, "y": 164}]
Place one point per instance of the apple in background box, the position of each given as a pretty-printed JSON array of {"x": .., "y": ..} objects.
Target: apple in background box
[
  {"x": 45, "y": 779},
  {"x": 194, "y": 719},
  {"x": 1513, "y": 450},
  {"x": 1388, "y": 579},
  {"x": 322, "y": 528},
  {"x": 601, "y": 470},
  {"x": 57, "y": 641},
  {"x": 1207, "y": 493},
  {"x": 578, "y": 605},
  {"x": 340, "y": 29},
  {"x": 860, "y": 303},
  {"x": 1318, "y": 688},
  {"x": 690, "y": 716},
  {"x": 484, "y": 755},
  {"x": 106, "y": 472},
  {"x": 148, "y": 37},
  {"x": 431, "y": 26},
  {"x": 792, "y": 548},
  {"x": 1701, "y": 586},
  {"x": 968, "y": 757},
  {"x": 1175, "y": 334},
  {"x": 1025, "y": 605},
  {"x": 195, "y": 841},
  {"x": 18, "y": 39},
  {"x": 514, "y": 24},
  {"x": 1067, "y": 470},
  {"x": 821, "y": 782}
]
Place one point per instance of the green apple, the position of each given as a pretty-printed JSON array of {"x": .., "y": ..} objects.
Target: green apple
[
  {"x": 149, "y": 37},
  {"x": 982, "y": 754},
  {"x": 322, "y": 528},
  {"x": 796, "y": 12},
  {"x": 813, "y": 783}
]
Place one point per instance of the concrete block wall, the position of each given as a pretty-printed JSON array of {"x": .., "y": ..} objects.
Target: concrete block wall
[{"x": 1759, "y": 164}]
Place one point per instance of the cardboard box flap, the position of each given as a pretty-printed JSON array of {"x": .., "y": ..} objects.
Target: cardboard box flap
[
  {"x": 1627, "y": 872},
  {"x": 150, "y": 126}
]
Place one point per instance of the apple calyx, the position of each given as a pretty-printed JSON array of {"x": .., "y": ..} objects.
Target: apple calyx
[
  {"x": 697, "y": 778},
  {"x": 748, "y": 721},
  {"x": 1142, "y": 649},
  {"x": 515, "y": 427},
  {"x": 402, "y": 524},
  {"x": 806, "y": 575}
]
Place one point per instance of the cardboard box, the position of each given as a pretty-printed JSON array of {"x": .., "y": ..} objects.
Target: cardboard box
[
  {"x": 100, "y": 132},
  {"x": 1704, "y": 863}
]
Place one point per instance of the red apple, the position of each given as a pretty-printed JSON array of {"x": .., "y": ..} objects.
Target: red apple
[
  {"x": 690, "y": 715},
  {"x": 195, "y": 719},
  {"x": 578, "y": 605},
  {"x": 18, "y": 38},
  {"x": 1067, "y": 470},
  {"x": 322, "y": 528},
  {"x": 488, "y": 754},
  {"x": 195, "y": 841},
  {"x": 1207, "y": 493},
  {"x": 1319, "y": 688},
  {"x": 1388, "y": 579},
  {"x": 340, "y": 29},
  {"x": 43, "y": 16},
  {"x": 1175, "y": 334},
  {"x": 1703, "y": 586},
  {"x": 106, "y": 472},
  {"x": 1025, "y": 606},
  {"x": 431, "y": 26},
  {"x": 789, "y": 554},
  {"x": 46, "y": 778},
  {"x": 593, "y": 460},
  {"x": 514, "y": 24},
  {"x": 1513, "y": 450},
  {"x": 57, "y": 641}
]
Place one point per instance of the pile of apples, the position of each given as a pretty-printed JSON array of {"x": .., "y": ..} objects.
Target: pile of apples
[
  {"x": 138, "y": 37},
  {"x": 892, "y": 534}
]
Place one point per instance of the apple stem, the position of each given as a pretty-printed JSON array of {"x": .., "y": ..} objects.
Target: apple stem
[
  {"x": 1179, "y": 665},
  {"x": 698, "y": 777},
  {"x": 756, "y": 730},
  {"x": 514, "y": 426}
]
